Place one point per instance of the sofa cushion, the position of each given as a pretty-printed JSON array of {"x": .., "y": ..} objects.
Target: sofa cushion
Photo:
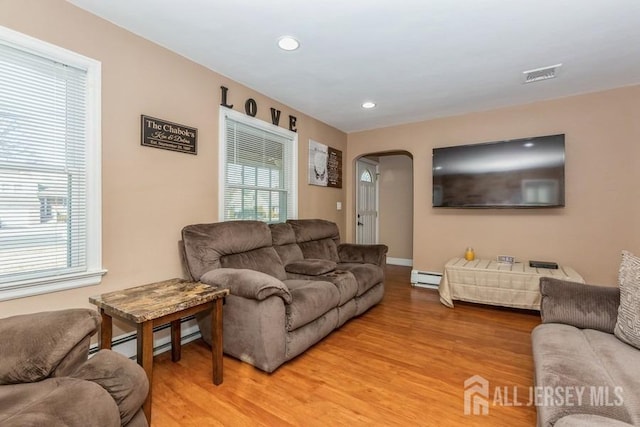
[
  {"x": 344, "y": 281},
  {"x": 323, "y": 249},
  {"x": 310, "y": 267},
  {"x": 264, "y": 260},
  {"x": 366, "y": 254},
  {"x": 367, "y": 275},
  {"x": 310, "y": 300},
  {"x": 621, "y": 362},
  {"x": 317, "y": 238},
  {"x": 282, "y": 234},
  {"x": 314, "y": 229},
  {"x": 57, "y": 402},
  {"x": 566, "y": 356},
  {"x": 206, "y": 244},
  {"x": 578, "y": 304},
  {"x": 289, "y": 253},
  {"x": 284, "y": 243},
  {"x": 628, "y": 324}
]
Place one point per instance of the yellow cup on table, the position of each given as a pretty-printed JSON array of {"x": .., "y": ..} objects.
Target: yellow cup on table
[{"x": 469, "y": 254}]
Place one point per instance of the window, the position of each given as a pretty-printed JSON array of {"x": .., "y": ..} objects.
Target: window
[
  {"x": 49, "y": 168},
  {"x": 258, "y": 169}
]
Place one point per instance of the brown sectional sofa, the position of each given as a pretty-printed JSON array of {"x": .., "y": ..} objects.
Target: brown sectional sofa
[
  {"x": 290, "y": 284},
  {"x": 46, "y": 379}
]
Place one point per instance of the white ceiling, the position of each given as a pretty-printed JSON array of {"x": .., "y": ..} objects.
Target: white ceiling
[{"x": 417, "y": 59}]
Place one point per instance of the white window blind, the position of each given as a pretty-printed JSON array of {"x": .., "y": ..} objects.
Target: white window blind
[
  {"x": 259, "y": 170},
  {"x": 44, "y": 157}
]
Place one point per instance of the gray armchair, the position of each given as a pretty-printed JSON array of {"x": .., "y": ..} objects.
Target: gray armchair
[{"x": 47, "y": 379}]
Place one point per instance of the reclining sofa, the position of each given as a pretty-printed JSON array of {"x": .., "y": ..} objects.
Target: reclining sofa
[
  {"x": 290, "y": 284},
  {"x": 46, "y": 379}
]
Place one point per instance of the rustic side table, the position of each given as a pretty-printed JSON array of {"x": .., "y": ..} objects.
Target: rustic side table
[{"x": 157, "y": 304}]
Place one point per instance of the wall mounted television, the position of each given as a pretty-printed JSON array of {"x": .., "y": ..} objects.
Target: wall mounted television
[{"x": 517, "y": 173}]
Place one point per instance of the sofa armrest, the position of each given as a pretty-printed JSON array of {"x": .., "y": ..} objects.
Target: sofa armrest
[
  {"x": 363, "y": 254},
  {"x": 247, "y": 283},
  {"x": 123, "y": 378},
  {"x": 35, "y": 345},
  {"x": 579, "y": 305}
]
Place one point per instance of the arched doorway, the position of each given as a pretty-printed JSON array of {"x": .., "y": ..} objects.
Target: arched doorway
[{"x": 391, "y": 188}]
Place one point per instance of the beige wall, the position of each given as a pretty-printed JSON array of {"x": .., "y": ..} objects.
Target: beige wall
[
  {"x": 602, "y": 193},
  {"x": 150, "y": 194},
  {"x": 396, "y": 205}
]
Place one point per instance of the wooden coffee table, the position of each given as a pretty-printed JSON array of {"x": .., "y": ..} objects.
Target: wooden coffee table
[{"x": 157, "y": 304}]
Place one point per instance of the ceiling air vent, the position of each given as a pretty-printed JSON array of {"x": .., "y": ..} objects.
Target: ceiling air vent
[{"x": 539, "y": 74}]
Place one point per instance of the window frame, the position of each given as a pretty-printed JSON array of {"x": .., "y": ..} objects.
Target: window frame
[
  {"x": 264, "y": 126},
  {"x": 92, "y": 274}
]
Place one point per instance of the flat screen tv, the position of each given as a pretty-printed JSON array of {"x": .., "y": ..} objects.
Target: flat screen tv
[{"x": 518, "y": 173}]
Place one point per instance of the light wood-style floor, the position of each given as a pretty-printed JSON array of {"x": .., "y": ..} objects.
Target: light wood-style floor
[{"x": 403, "y": 363}]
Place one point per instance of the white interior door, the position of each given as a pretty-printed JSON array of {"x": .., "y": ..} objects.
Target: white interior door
[{"x": 367, "y": 202}]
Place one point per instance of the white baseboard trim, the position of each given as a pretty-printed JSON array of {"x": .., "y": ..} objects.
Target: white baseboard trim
[
  {"x": 126, "y": 344},
  {"x": 400, "y": 261}
]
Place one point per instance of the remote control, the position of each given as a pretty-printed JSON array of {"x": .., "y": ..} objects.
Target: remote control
[{"x": 543, "y": 264}]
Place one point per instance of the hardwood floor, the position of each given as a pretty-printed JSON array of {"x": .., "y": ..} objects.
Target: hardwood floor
[{"x": 404, "y": 362}]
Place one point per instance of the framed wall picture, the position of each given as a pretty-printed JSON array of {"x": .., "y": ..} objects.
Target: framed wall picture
[{"x": 325, "y": 165}]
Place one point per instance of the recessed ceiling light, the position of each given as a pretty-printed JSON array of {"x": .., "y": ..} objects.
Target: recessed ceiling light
[
  {"x": 368, "y": 105},
  {"x": 529, "y": 144},
  {"x": 288, "y": 43}
]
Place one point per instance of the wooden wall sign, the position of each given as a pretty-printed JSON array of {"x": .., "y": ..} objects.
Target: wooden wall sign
[
  {"x": 334, "y": 168},
  {"x": 325, "y": 165},
  {"x": 159, "y": 133}
]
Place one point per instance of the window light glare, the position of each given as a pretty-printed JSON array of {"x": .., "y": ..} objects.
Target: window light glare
[
  {"x": 288, "y": 43},
  {"x": 368, "y": 105}
]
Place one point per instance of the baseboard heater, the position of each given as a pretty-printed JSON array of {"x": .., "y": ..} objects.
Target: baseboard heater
[
  {"x": 127, "y": 344},
  {"x": 425, "y": 279}
]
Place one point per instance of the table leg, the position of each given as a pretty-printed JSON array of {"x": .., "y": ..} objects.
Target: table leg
[
  {"x": 145, "y": 359},
  {"x": 216, "y": 341},
  {"x": 106, "y": 330},
  {"x": 176, "y": 352}
]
